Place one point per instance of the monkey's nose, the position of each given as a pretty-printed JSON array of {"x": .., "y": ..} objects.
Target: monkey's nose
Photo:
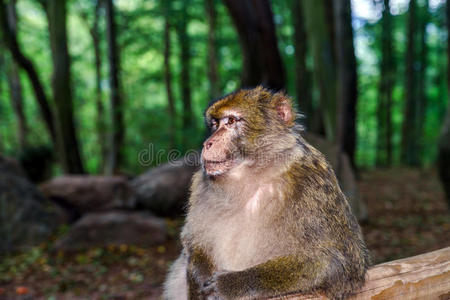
[{"x": 208, "y": 145}]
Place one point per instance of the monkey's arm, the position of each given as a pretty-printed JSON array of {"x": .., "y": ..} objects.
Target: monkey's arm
[
  {"x": 199, "y": 269},
  {"x": 275, "y": 277}
]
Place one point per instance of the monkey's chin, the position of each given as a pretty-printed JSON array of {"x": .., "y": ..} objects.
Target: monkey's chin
[{"x": 217, "y": 168}]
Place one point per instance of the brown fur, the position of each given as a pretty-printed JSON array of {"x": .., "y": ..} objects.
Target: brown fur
[{"x": 276, "y": 222}]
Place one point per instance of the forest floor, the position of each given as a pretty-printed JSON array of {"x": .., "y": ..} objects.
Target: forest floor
[{"x": 407, "y": 216}]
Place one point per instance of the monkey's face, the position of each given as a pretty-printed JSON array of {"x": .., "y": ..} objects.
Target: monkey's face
[
  {"x": 220, "y": 151},
  {"x": 244, "y": 126}
]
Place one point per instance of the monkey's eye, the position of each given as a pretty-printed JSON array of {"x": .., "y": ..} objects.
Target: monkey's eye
[
  {"x": 231, "y": 120},
  {"x": 214, "y": 124}
]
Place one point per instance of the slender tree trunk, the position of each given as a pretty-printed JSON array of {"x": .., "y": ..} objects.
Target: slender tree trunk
[
  {"x": 318, "y": 33},
  {"x": 168, "y": 72},
  {"x": 11, "y": 42},
  {"x": 444, "y": 142},
  {"x": 444, "y": 155},
  {"x": 213, "y": 73},
  {"x": 185, "y": 62},
  {"x": 347, "y": 90},
  {"x": 329, "y": 7},
  {"x": 421, "y": 98},
  {"x": 303, "y": 75},
  {"x": 15, "y": 85},
  {"x": 389, "y": 97},
  {"x": 2, "y": 68},
  {"x": 408, "y": 132},
  {"x": 101, "y": 124},
  {"x": 262, "y": 62},
  {"x": 115, "y": 156},
  {"x": 101, "y": 120},
  {"x": 100, "y": 108},
  {"x": 381, "y": 128},
  {"x": 441, "y": 83},
  {"x": 67, "y": 145},
  {"x": 384, "y": 107}
]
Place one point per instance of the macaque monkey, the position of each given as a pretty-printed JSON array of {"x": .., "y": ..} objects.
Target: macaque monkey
[{"x": 266, "y": 216}]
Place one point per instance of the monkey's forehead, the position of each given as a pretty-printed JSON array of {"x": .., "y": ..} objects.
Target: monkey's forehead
[
  {"x": 230, "y": 105},
  {"x": 238, "y": 102}
]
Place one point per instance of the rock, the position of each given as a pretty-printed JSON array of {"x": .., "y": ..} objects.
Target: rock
[
  {"x": 27, "y": 218},
  {"x": 90, "y": 193},
  {"x": 10, "y": 166},
  {"x": 114, "y": 228},
  {"x": 344, "y": 173},
  {"x": 164, "y": 190}
]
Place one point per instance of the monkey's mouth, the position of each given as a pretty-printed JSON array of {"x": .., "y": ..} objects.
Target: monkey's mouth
[
  {"x": 215, "y": 161},
  {"x": 217, "y": 167}
]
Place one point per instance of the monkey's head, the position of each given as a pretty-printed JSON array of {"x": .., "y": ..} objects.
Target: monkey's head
[{"x": 247, "y": 126}]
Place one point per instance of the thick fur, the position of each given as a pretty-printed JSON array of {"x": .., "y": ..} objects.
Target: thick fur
[
  {"x": 175, "y": 286},
  {"x": 273, "y": 225}
]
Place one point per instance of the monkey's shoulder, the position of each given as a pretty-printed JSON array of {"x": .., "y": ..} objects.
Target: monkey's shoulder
[
  {"x": 311, "y": 169},
  {"x": 311, "y": 182}
]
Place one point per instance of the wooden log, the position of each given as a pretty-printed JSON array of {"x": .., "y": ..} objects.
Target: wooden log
[{"x": 425, "y": 276}]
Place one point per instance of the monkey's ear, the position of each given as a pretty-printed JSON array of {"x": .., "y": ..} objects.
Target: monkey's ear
[{"x": 284, "y": 109}]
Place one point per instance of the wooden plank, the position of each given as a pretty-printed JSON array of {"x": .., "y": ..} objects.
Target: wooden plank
[{"x": 425, "y": 276}]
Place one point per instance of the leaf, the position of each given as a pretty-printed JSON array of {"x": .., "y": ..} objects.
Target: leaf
[{"x": 22, "y": 290}]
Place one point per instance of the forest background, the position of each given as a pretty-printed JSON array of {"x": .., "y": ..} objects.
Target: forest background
[
  {"x": 98, "y": 88},
  {"x": 170, "y": 58}
]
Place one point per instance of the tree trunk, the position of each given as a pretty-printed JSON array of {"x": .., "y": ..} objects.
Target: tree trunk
[
  {"x": 303, "y": 75},
  {"x": 101, "y": 125},
  {"x": 115, "y": 158},
  {"x": 67, "y": 144},
  {"x": 444, "y": 142},
  {"x": 318, "y": 33},
  {"x": 11, "y": 42},
  {"x": 168, "y": 72},
  {"x": 444, "y": 156},
  {"x": 389, "y": 85},
  {"x": 2, "y": 68},
  {"x": 387, "y": 77},
  {"x": 408, "y": 133},
  {"x": 262, "y": 63},
  {"x": 330, "y": 25},
  {"x": 15, "y": 85},
  {"x": 347, "y": 90},
  {"x": 421, "y": 96},
  {"x": 213, "y": 73},
  {"x": 185, "y": 62}
]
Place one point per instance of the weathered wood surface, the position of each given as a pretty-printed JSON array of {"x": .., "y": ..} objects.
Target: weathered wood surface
[{"x": 425, "y": 276}]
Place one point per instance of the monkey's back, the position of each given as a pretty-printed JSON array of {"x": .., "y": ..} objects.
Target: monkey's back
[{"x": 325, "y": 226}]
